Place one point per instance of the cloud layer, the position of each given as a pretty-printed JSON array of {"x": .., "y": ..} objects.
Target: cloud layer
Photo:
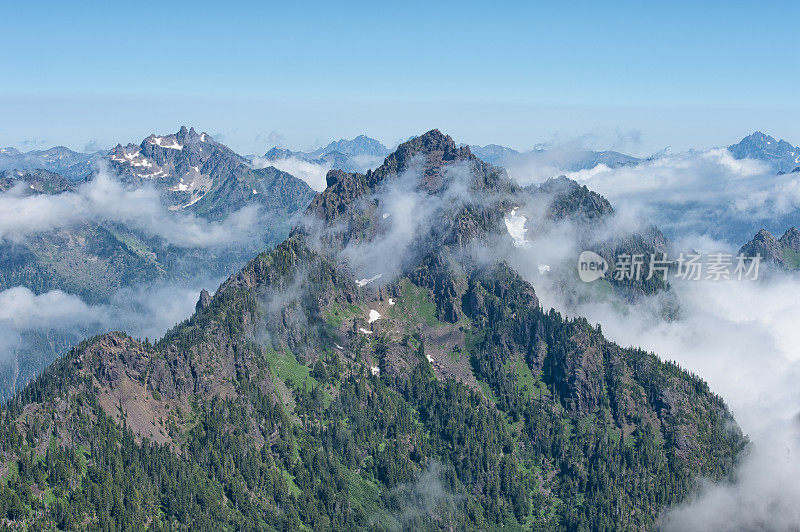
[{"x": 104, "y": 199}]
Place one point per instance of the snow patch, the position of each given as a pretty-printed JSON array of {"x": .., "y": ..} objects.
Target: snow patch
[
  {"x": 544, "y": 268},
  {"x": 364, "y": 282},
  {"x": 515, "y": 224},
  {"x": 162, "y": 142},
  {"x": 363, "y": 330},
  {"x": 374, "y": 315},
  {"x": 391, "y": 301},
  {"x": 338, "y": 347},
  {"x": 375, "y": 370}
]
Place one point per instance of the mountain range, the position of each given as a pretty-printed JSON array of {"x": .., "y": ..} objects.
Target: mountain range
[
  {"x": 364, "y": 375},
  {"x": 60, "y": 160},
  {"x": 357, "y": 154}
]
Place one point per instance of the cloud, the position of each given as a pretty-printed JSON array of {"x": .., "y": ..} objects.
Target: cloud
[
  {"x": 311, "y": 172},
  {"x": 104, "y": 199},
  {"x": 273, "y": 138},
  {"x": 37, "y": 328},
  {"x": 22, "y": 309},
  {"x": 740, "y": 336},
  {"x": 425, "y": 497},
  {"x": 706, "y": 192}
]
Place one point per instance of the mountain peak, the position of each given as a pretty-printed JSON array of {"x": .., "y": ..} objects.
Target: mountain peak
[{"x": 779, "y": 154}]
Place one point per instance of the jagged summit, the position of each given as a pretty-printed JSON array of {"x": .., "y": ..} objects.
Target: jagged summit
[
  {"x": 431, "y": 164},
  {"x": 573, "y": 200},
  {"x": 779, "y": 154}
]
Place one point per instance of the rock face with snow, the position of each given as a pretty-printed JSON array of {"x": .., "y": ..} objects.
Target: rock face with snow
[
  {"x": 778, "y": 154},
  {"x": 34, "y": 181},
  {"x": 194, "y": 171}
]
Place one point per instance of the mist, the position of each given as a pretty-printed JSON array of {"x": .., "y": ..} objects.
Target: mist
[
  {"x": 689, "y": 193},
  {"x": 104, "y": 199},
  {"x": 39, "y": 328},
  {"x": 740, "y": 336}
]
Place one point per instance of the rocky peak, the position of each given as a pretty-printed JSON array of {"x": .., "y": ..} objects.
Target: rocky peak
[
  {"x": 572, "y": 200},
  {"x": 766, "y": 245},
  {"x": 434, "y": 162},
  {"x": 779, "y": 154},
  {"x": 434, "y": 148},
  {"x": 204, "y": 301}
]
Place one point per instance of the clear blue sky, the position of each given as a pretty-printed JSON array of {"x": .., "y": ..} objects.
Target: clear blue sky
[{"x": 635, "y": 75}]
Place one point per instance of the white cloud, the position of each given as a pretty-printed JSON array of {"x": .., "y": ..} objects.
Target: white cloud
[
  {"x": 104, "y": 199},
  {"x": 310, "y": 172}
]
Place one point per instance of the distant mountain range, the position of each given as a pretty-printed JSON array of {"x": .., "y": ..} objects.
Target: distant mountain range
[
  {"x": 358, "y": 154},
  {"x": 61, "y": 160},
  {"x": 567, "y": 161},
  {"x": 778, "y": 154}
]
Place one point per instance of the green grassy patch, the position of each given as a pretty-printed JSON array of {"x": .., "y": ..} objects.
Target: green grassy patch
[
  {"x": 415, "y": 304},
  {"x": 526, "y": 382},
  {"x": 287, "y": 368},
  {"x": 337, "y": 313},
  {"x": 792, "y": 258}
]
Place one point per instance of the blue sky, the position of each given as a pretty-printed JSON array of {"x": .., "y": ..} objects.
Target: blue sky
[{"x": 636, "y": 76}]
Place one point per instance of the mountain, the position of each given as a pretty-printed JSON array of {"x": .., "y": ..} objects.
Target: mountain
[
  {"x": 783, "y": 252},
  {"x": 560, "y": 159},
  {"x": 349, "y": 155},
  {"x": 98, "y": 259},
  {"x": 563, "y": 201},
  {"x": 586, "y": 160},
  {"x": 195, "y": 172},
  {"x": 35, "y": 181},
  {"x": 438, "y": 396},
  {"x": 60, "y": 160},
  {"x": 492, "y": 153},
  {"x": 778, "y": 154},
  {"x": 362, "y": 145}
]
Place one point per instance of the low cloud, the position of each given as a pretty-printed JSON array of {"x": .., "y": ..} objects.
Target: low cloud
[
  {"x": 310, "y": 172},
  {"x": 741, "y": 337},
  {"x": 37, "y": 328},
  {"x": 104, "y": 199},
  {"x": 698, "y": 193}
]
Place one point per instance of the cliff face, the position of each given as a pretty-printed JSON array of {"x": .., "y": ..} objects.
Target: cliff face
[{"x": 299, "y": 395}]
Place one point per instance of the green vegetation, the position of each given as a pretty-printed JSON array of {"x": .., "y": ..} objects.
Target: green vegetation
[
  {"x": 415, "y": 304},
  {"x": 791, "y": 258},
  {"x": 567, "y": 431}
]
